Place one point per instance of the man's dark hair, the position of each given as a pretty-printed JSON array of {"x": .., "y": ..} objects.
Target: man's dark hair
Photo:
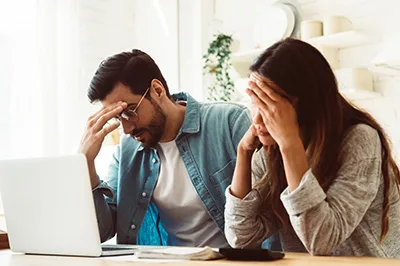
[{"x": 134, "y": 69}]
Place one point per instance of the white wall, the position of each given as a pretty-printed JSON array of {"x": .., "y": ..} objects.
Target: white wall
[
  {"x": 194, "y": 17},
  {"x": 3, "y": 226},
  {"x": 156, "y": 31},
  {"x": 107, "y": 28},
  {"x": 176, "y": 37},
  {"x": 380, "y": 18},
  {"x": 175, "y": 33}
]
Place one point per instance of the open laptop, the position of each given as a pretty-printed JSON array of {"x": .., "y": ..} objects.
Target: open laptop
[{"x": 49, "y": 208}]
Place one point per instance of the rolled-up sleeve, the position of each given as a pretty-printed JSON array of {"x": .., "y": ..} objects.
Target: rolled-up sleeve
[
  {"x": 104, "y": 189},
  {"x": 104, "y": 200}
]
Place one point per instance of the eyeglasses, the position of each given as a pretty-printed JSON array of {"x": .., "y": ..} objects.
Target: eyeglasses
[{"x": 131, "y": 114}]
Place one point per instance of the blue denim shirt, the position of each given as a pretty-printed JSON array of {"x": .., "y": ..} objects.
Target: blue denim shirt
[{"x": 207, "y": 142}]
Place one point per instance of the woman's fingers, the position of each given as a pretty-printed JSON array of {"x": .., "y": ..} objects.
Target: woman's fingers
[
  {"x": 270, "y": 92},
  {"x": 262, "y": 106},
  {"x": 255, "y": 89},
  {"x": 267, "y": 87}
]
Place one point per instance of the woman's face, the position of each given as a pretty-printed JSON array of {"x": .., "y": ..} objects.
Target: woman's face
[{"x": 263, "y": 135}]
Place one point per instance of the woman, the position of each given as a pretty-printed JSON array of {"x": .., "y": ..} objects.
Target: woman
[{"x": 325, "y": 178}]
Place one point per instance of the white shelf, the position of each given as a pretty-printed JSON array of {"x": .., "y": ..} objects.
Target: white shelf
[
  {"x": 246, "y": 56},
  {"x": 386, "y": 69},
  {"x": 359, "y": 94},
  {"x": 343, "y": 39},
  {"x": 338, "y": 40},
  {"x": 241, "y": 61},
  {"x": 350, "y": 94}
]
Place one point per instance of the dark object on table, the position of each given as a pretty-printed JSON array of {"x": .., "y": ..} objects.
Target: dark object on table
[{"x": 250, "y": 254}]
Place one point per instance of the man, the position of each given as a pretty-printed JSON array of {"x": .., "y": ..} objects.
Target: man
[{"x": 167, "y": 180}]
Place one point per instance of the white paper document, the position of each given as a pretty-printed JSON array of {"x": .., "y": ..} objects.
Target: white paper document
[
  {"x": 134, "y": 258},
  {"x": 180, "y": 253}
]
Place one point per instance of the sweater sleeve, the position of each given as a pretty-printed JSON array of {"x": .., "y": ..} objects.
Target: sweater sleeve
[
  {"x": 247, "y": 223},
  {"x": 324, "y": 220}
]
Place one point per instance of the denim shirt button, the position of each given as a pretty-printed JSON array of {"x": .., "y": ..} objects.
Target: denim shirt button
[
  {"x": 154, "y": 160},
  {"x": 133, "y": 227},
  {"x": 144, "y": 194}
]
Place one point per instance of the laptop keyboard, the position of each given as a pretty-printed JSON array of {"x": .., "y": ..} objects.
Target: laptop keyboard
[{"x": 115, "y": 248}]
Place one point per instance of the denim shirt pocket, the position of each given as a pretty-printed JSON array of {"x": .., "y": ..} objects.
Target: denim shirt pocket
[{"x": 223, "y": 177}]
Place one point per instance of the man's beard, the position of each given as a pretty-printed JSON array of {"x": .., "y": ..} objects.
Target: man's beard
[{"x": 155, "y": 128}]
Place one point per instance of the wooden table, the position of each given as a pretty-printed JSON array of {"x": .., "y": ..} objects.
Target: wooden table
[
  {"x": 4, "y": 240},
  {"x": 7, "y": 258}
]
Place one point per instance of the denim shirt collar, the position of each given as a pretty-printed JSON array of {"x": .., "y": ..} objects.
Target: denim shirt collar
[{"x": 191, "y": 123}]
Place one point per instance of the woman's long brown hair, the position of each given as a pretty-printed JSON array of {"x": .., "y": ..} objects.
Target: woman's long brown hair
[{"x": 324, "y": 116}]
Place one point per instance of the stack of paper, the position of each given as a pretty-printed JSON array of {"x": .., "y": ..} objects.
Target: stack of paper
[{"x": 179, "y": 253}]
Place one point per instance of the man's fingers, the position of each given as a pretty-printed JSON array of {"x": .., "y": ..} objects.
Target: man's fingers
[
  {"x": 108, "y": 129},
  {"x": 103, "y": 119},
  {"x": 96, "y": 116}
]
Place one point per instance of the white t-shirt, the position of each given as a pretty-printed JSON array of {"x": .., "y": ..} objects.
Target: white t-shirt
[{"x": 181, "y": 210}]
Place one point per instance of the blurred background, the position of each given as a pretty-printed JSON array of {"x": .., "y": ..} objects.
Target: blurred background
[{"x": 50, "y": 49}]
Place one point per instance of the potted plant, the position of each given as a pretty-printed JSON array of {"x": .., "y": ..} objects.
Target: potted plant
[{"x": 217, "y": 64}]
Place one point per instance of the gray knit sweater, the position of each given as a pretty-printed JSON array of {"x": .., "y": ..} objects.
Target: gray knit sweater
[{"x": 344, "y": 221}]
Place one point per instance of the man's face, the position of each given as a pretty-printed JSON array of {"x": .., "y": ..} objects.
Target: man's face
[{"x": 150, "y": 125}]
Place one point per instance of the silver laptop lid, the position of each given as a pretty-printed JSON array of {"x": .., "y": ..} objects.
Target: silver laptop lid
[{"x": 48, "y": 206}]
